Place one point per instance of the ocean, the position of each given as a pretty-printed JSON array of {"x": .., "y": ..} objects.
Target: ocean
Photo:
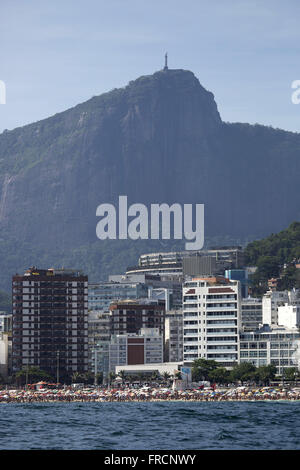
[{"x": 151, "y": 426}]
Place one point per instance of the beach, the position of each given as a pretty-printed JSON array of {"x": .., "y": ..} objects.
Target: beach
[{"x": 148, "y": 394}]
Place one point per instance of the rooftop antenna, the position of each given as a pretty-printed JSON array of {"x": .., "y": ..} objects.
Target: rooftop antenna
[{"x": 166, "y": 61}]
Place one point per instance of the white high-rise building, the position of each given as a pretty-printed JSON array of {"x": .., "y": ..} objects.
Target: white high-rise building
[
  {"x": 211, "y": 320},
  {"x": 289, "y": 315},
  {"x": 272, "y": 300}
]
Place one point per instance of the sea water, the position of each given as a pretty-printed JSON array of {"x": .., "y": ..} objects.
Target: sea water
[{"x": 155, "y": 425}]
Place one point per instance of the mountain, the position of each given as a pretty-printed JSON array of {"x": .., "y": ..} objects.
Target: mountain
[
  {"x": 284, "y": 246},
  {"x": 159, "y": 139},
  {"x": 276, "y": 256},
  {"x": 5, "y": 302}
]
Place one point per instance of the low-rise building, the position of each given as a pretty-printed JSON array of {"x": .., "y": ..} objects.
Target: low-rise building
[
  {"x": 133, "y": 349},
  {"x": 276, "y": 345},
  {"x": 165, "y": 367}
]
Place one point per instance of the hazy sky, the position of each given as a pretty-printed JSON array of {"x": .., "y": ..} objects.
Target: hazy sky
[{"x": 56, "y": 54}]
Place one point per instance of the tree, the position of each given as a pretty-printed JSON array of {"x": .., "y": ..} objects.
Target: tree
[
  {"x": 178, "y": 375},
  {"x": 155, "y": 376},
  {"x": 99, "y": 378},
  {"x": 243, "y": 372},
  {"x": 219, "y": 375},
  {"x": 140, "y": 377},
  {"x": 288, "y": 278},
  {"x": 290, "y": 373},
  {"x": 122, "y": 375},
  {"x": 202, "y": 368},
  {"x": 76, "y": 377},
  {"x": 266, "y": 373},
  {"x": 5, "y": 301},
  {"x": 33, "y": 375},
  {"x": 166, "y": 376},
  {"x": 275, "y": 256},
  {"x": 111, "y": 377},
  {"x": 88, "y": 378}
]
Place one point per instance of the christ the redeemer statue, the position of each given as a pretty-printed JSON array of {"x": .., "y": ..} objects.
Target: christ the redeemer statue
[{"x": 166, "y": 61}]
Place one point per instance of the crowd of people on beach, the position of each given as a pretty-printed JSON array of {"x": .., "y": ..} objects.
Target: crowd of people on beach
[{"x": 147, "y": 394}]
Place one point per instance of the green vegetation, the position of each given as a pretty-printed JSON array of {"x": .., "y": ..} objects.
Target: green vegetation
[
  {"x": 202, "y": 369},
  {"x": 205, "y": 370},
  {"x": 275, "y": 257},
  {"x": 291, "y": 374},
  {"x": 5, "y": 302},
  {"x": 87, "y": 378},
  {"x": 32, "y": 375}
]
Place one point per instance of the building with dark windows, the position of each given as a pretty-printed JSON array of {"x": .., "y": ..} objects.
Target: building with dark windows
[
  {"x": 50, "y": 321},
  {"x": 131, "y": 316},
  {"x": 103, "y": 293}
]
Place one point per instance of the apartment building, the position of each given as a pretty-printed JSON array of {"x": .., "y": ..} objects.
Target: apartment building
[
  {"x": 99, "y": 333},
  {"x": 272, "y": 300},
  {"x": 211, "y": 320},
  {"x": 131, "y": 316},
  {"x": 276, "y": 345},
  {"x": 50, "y": 321},
  {"x": 251, "y": 313},
  {"x": 174, "y": 336},
  {"x": 102, "y": 294},
  {"x": 289, "y": 315},
  {"x": 146, "y": 347}
]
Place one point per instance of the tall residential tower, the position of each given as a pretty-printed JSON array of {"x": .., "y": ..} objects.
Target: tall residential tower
[
  {"x": 50, "y": 321},
  {"x": 211, "y": 320}
]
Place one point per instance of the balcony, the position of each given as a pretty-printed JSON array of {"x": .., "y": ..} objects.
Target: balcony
[
  {"x": 220, "y": 307},
  {"x": 221, "y": 333}
]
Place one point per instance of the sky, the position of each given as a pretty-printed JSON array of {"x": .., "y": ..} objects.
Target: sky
[{"x": 59, "y": 53}]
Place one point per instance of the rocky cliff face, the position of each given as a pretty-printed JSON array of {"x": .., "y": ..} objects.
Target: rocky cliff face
[{"x": 160, "y": 139}]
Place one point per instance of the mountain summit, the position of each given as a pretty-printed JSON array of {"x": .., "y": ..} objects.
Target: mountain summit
[{"x": 159, "y": 139}]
